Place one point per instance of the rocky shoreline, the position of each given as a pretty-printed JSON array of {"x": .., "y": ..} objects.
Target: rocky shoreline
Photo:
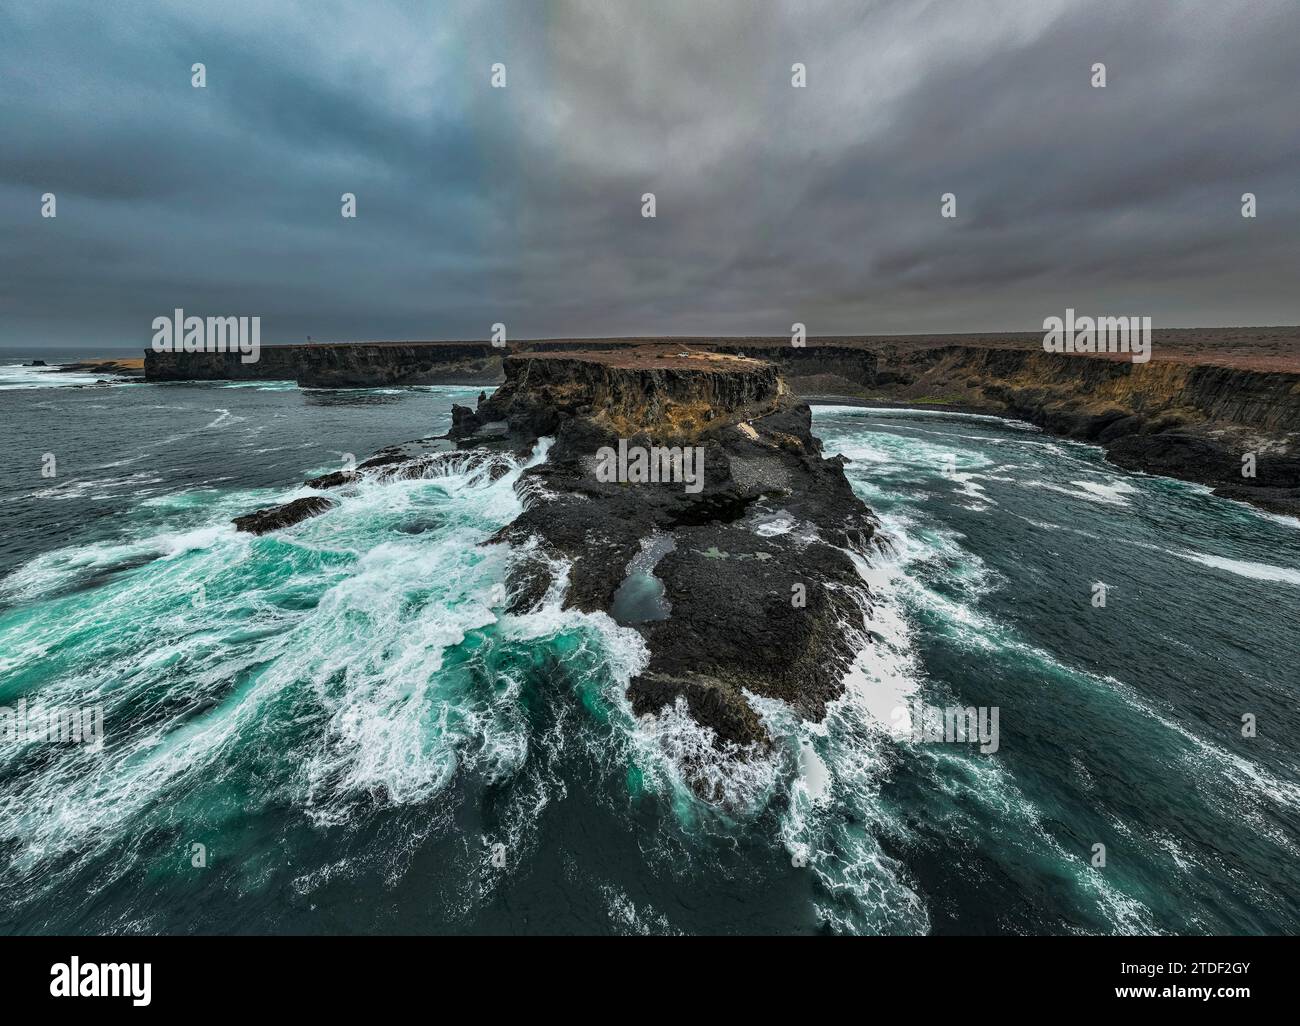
[
  {"x": 754, "y": 566},
  {"x": 741, "y": 583},
  {"x": 733, "y": 546},
  {"x": 1236, "y": 430}
]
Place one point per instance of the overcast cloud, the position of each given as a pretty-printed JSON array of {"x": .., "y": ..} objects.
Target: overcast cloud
[{"x": 523, "y": 204}]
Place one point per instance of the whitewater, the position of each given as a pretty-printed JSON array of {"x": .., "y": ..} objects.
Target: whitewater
[{"x": 361, "y": 738}]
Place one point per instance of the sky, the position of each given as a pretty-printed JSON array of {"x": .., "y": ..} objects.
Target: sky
[{"x": 523, "y": 205}]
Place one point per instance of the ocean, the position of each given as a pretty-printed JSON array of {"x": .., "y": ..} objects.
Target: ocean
[{"x": 337, "y": 728}]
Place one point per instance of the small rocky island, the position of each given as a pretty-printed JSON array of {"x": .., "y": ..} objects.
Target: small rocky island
[
  {"x": 755, "y": 589},
  {"x": 739, "y": 578}
]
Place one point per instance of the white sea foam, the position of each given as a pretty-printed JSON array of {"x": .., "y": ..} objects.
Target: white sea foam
[
  {"x": 16, "y": 376},
  {"x": 934, "y": 575},
  {"x": 629, "y": 920},
  {"x": 1110, "y": 493},
  {"x": 223, "y": 418},
  {"x": 909, "y": 412},
  {"x": 362, "y": 664},
  {"x": 1243, "y": 568}
]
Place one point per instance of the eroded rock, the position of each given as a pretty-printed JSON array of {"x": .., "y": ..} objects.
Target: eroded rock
[
  {"x": 273, "y": 518},
  {"x": 777, "y": 614}
]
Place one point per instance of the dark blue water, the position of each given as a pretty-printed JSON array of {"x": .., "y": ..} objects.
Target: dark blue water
[{"x": 363, "y": 740}]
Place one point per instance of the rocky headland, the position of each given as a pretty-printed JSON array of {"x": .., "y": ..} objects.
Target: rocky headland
[
  {"x": 130, "y": 367},
  {"x": 741, "y": 583},
  {"x": 739, "y": 578}
]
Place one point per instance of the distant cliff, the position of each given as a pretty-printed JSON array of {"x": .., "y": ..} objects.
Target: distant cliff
[
  {"x": 371, "y": 364},
  {"x": 1197, "y": 422},
  {"x": 1191, "y": 419},
  {"x": 339, "y": 365}
]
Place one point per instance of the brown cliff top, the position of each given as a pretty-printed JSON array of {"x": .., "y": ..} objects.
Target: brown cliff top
[{"x": 650, "y": 357}]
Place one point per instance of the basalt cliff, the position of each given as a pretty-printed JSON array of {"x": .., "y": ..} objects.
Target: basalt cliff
[
  {"x": 1236, "y": 429},
  {"x": 337, "y": 365}
]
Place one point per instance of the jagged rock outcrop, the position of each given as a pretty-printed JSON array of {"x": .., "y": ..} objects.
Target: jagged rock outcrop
[
  {"x": 737, "y": 544},
  {"x": 758, "y": 592},
  {"x": 273, "y": 518}
]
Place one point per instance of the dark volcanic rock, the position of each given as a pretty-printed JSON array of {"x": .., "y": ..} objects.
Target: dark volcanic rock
[
  {"x": 1275, "y": 485},
  {"x": 335, "y": 480},
  {"x": 1174, "y": 454},
  {"x": 754, "y": 536},
  {"x": 464, "y": 421},
  {"x": 777, "y": 613},
  {"x": 676, "y": 394},
  {"x": 275, "y": 517}
]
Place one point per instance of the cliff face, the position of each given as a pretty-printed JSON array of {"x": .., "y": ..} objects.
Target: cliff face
[
  {"x": 1191, "y": 421},
  {"x": 278, "y": 363},
  {"x": 342, "y": 365},
  {"x": 1043, "y": 382},
  {"x": 353, "y": 366},
  {"x": 672, "y": 393}
]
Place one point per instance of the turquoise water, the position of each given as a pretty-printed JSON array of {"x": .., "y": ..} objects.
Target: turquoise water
[{"x": 362, "y": 740}]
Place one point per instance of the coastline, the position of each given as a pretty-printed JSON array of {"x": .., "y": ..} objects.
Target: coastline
[
  {"x": 127, "y": 367},
  {"x": 1197, "y": 469},
  {"x": 428, "y": 571}
]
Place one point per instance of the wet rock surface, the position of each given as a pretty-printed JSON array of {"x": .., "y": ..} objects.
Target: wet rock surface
[
  {"x": 273, "y": 518},
  {"x": 752, "y": 586},
  {"x": 776, "y": 612}
]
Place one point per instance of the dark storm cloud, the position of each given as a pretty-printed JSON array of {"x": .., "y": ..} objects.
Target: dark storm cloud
[{"x": 522, "y": 205}]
